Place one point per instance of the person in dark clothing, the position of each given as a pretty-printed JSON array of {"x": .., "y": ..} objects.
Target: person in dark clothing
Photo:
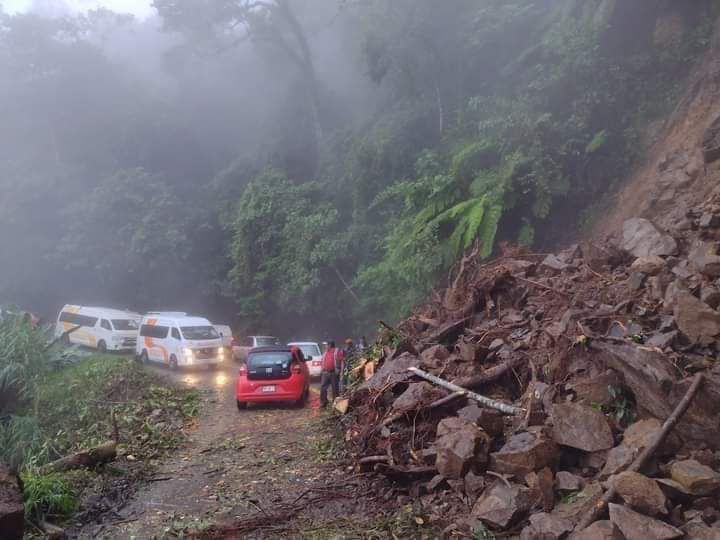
[{"x": 332, "y": 363}]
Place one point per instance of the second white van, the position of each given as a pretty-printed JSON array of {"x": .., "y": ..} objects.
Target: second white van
[
  {"x": 104, "y": 329},
  {"x": 178, "y": 340}
]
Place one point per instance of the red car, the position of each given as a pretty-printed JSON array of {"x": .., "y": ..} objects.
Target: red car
[{"x": 273, "y": 374}]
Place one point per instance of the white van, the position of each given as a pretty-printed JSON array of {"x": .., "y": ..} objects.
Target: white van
[
  {"x": 104, "y": 329},
  {"x": 175, "y": 339}
]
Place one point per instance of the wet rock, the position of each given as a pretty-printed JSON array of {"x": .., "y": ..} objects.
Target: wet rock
[
  {"x": 460, "y": 449},
  {"x": 641, "y": 493},
  {"x": 474, "y": 485},
  {"x": 12, "y": 511},
  {"x": 694, "y": 318},
  {"x": 697, "y": 530},
  {"x": 710, "y": 295},
  {"x": 553, "y": 262},
  {"x": 595, "y": 389},
  {"x": 566, "y": 482},
  {"x": 544, "y": 526},
  {"x": 575, "y": 509},
  {"x": 704, "y": 258},
  {"x": 650, "y": 266},
  {"x": 618, "y": 459},
  {"x": 642, "y": 239},
  {"x": 581, "y": 427},
  {"x": 433, "y": 357},
  {"x": 392, "y": 372},
  {"x": 661, "y": 341},
  {"x": 695, "y": 477},
  {"x": 416, "y": 396},
  {"x": 635, "y": 281},
  {"x": 709, "y": 221},
  {"x": 635, "y": 526},
  {"x": 501, "y": 506},
  {"x": 600, "y": 530},
  {"x": 541, "y": 484},
  {"x": 523, "y": 453},
  {"x": 490, "y": 420}
]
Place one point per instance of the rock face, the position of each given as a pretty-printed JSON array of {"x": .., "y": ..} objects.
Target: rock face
[
  {"x": 459, "y": 449},
  {"x": 581, "y": 427},
  {"x": 12, "y": 511},
  {"x": 635, "y": 526},
  {"x": 502, "y": 505},
  {"x": 695, "y": 477},
  {"x": 641, "y": 493},
  {"x": 642, "y": 239},
  {"x": 524, "y": 453}
]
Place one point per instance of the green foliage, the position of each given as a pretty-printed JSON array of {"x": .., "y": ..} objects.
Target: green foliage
[
  {"x": 48, "y": 495},
  {"x": 22, "y": 443}
]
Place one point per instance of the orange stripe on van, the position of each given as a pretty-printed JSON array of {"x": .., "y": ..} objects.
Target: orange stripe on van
[{"x": 150, "y": 344}]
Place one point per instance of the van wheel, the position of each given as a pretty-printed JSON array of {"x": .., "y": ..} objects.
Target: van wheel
[
  {"x": 173, "y": 363},
  {"x": 241, "y": 405},
  {"x": 102, "y": 347},
  {"x": 144, "y": 357}
]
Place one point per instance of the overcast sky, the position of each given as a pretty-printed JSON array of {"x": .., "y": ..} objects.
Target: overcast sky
[{"x": 141, "y": 8}]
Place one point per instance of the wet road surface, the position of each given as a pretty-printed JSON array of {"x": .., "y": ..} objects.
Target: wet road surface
[{"x": 235, "y": 462}]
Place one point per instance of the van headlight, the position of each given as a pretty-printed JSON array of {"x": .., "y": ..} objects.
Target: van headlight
[
  {"x": 188, "y": 353},
  {"x": 221, "y": 352}
]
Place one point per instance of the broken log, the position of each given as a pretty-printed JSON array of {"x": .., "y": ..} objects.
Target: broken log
[
  {"x": 667, "y": 427},
  {"x": 84, "y": 459},
  {"x": 483, "y": 400},
  {"x": 61, "y": 337}
]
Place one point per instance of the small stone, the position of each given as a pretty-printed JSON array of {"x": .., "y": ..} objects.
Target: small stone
[
  {"x": 697, "y": 478},
  {"x": 661, "y": 341},
  {"x": 581, "y": 427},
  {"x": 651, "y": 265},
  {"x": 595, "y": 389},
  {"x": 541, "y": 484},
  {"x": 640, "y": 492},
  {"x": 697, "y": 530},
  {"x": 501, "y": 505},
  {"x": 490, "y": 420},
  {"x": 704, "y": 258},
  {"x": 635, "y": 526},
  {"x": 566, "y": 482},
  {"x": 435, "y": 483},
  {"x": 710, "y": 295},
  {"x": 694, "y": 318},
  {"x": 580, "y": 504},
  {"x": 553, "y": 262},
  {"x": 433, "y": 357},
  {"x": 496, "y": 344},
  {"x": 459, "y": 450},
  {"x": 523, "y": 453},
  {"x": 709, "y": 221},
  {"x": 474, "y": 485}
]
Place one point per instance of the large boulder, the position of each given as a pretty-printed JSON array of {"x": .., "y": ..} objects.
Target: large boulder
[
  {"x": 641, "y": 493},
  {"x": 636, "y": 526},
  {"x": 12, "y": 511},
  {"x": 460, "y": 448},
  {"x": 524, "y": 453},
  {"x": 695, "y": 318},
  {"x": 503, "y": 505},
  {"x": 417, "y": 395},
  {"x": 642, "y": 239},
  {"x": 581, "y": 427},
  {"x": 695, "y": 477}
]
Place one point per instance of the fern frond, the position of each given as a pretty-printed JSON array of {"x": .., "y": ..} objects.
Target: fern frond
[
  {"x": 488, "y": 229},
  {"x": 473, "y": 221}
]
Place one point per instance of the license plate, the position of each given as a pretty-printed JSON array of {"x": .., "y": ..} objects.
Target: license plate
[{"x": 270, "y": 388}]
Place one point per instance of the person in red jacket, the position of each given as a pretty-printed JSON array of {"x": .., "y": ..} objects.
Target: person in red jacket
[{"x": 332, "y": 364}]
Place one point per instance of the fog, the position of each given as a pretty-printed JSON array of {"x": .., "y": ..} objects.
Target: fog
[{"x": 91, "y": 91}]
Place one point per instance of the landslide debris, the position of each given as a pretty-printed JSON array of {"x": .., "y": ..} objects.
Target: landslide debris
[{"x": 596, "y": 346}]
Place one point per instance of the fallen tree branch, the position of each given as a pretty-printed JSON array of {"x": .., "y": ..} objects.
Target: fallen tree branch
[
  {"x": 84, "y": 459},
  {"x": 667, "y": 427},
  {"x": 61, "y": 337},
  {"x": 373, "y": 459},
  {"x": 490, "y": 375},
  {"x": 435, "y": 404},
  {"x": 483, "y": 400}
]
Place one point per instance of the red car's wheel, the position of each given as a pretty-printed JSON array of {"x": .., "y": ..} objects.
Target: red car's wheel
[{"x": 241, "y": 405}]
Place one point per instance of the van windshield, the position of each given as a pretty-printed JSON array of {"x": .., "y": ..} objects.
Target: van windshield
[
  {"x": 310, "y": 350},
  {"x": 199, "y": 332},
  {"x": 124, "y": 324},
  {"x": 266, "y": 341}
]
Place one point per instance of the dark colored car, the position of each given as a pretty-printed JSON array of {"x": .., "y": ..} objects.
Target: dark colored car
[{"x": 273, "y": 374}]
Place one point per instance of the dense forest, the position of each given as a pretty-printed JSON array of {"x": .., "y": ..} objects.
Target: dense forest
[{"x": 306, "y": 167}]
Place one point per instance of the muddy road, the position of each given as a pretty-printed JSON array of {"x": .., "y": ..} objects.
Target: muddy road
[{"x": 240, "y": 464}]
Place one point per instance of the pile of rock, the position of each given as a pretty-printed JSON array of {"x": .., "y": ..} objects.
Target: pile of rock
[{"x": 596, "y": 345}]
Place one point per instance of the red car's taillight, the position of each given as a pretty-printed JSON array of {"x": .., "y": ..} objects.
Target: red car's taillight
[
  {"x": 296, "y": 369},
  {"x": 243, "y": 370}
]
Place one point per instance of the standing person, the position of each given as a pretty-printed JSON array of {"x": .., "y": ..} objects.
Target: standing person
[{"x": 331, "y": 366}]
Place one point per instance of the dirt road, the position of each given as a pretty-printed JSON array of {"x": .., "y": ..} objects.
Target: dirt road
[{"x": 236, "y": 464}]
